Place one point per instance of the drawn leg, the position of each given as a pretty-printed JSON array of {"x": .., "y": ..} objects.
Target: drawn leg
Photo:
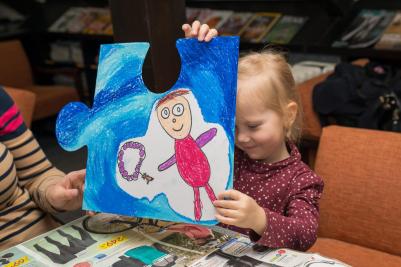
[
  {"x": 210, "y": 192},
  {"x": 197, "y": 204}
]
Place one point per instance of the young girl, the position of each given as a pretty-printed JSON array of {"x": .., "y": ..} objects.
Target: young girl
[{"x": 275, "y": 195}]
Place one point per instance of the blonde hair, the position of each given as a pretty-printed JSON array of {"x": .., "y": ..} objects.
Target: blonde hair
[{"x": 268, "y": 78}]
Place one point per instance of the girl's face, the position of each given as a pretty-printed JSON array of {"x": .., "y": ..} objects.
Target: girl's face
[{"x": 260, "y": 132}]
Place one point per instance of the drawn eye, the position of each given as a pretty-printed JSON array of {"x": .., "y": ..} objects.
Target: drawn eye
[
  {"x": 178, "y": 109},
  {"x": 165, "y": 113}
]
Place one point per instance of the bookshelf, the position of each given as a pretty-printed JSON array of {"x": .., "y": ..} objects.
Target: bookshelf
[
  {"x": 327, "y": 20},
  {"x": 143, "y": 14},
  {"x": 38, "y": 41}
]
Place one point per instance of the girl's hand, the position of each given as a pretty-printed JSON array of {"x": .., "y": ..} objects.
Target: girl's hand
[
  {"x": 238, "y": 209},
  {"x": 202, "y": 32},
  {"x": 67, "y": 194}
]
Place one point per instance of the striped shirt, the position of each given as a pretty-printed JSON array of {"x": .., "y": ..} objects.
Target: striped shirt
[{"x": 25, "y": 173}]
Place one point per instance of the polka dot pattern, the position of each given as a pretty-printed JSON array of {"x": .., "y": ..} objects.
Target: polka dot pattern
[{"x": 288, "y": 191}]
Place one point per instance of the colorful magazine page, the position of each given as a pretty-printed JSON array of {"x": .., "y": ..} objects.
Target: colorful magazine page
[
  {"x": 391, "y": 38},
  {"x": 258, "y": 26},
  {"x": 366, "y": 29},
  {"x": 112, "y": 240},
  {"x": 235, "y": 23},
  {"x": 287, "y": 27},
  {"x": 154, "y": 155},
  {"x": 17, "y": 257}
]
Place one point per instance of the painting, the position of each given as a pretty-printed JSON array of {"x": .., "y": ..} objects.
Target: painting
[{"x": 158, "y": 155}]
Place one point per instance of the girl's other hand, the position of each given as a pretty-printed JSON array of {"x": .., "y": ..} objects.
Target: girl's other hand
[{"x": 202, "y": 32}]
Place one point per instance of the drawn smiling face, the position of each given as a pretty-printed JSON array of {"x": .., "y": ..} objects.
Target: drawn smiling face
[{"x": 175, "y": 117}]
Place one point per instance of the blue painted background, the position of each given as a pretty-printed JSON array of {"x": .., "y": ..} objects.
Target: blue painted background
[{"x": 122, "y": 107}]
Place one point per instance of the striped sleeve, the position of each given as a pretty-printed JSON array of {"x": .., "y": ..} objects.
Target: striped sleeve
[
  {"x": 11, "y": 121},
  {"x": 34, "y": 170}
]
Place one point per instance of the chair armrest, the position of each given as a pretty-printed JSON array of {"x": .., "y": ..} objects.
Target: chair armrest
[{"x": 25, "y": 100}]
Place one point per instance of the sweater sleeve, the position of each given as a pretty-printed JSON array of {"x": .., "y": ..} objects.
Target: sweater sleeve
[
  {"x": 297, "y": 229},
  {"x": 35, "y": 173}
]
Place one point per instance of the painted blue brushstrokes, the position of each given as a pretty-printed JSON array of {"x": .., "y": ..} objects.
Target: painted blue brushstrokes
[{"x": 122, "y": 107}]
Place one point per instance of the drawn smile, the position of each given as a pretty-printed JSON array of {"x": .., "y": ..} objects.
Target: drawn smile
[{"x": 182, "y": 125}]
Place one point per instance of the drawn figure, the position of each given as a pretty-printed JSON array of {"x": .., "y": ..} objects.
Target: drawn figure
[{"x": 174, "y": 115}]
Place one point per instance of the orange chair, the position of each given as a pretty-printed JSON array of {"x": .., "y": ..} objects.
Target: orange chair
[
  {"x": 360, "y": 209},
  {"x": 15, "y": 71},
  {"x": 25, "y": 100}
]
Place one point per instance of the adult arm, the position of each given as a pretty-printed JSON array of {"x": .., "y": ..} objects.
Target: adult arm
[{"x": 33, "y": 171}]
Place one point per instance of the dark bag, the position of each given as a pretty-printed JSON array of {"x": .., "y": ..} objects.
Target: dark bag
[{"x": 365, "y": 97}]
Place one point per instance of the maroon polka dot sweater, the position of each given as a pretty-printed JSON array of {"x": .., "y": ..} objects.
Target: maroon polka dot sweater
[{"x": 288, "y": 191}]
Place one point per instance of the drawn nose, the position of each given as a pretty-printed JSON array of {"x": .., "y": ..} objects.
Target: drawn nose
[{"x": 174, "y": 120}]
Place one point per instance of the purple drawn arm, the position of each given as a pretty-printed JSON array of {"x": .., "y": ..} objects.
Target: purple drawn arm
[
  {"x": 204, "y": 138},
  {"x": 167, "y": 164}
]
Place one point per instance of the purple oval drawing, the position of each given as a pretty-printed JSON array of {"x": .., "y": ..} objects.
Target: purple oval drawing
[{"x": 120, "y": 160}]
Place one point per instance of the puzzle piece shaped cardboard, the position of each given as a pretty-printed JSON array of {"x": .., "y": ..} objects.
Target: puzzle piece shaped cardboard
[{"x": 164, "y": 156}]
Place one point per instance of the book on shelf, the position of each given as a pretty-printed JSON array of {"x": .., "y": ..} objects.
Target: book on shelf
[
  {"x": 365, "y": 29},
  {"x": 9, "y": 14},
  {"x": 391, "y": 38},
  {"x": 66, "y": 52},
  {"x": 11, "y": 21},
  {"x": 204, "y": 14},
  {"x": 100, "y": 23},
  {"x": 62, "y": 23},
  {"x": 214, "y": 18},
  {"x": 235, "y": 23},
  {"x": 84, "y": 20},
  {"x": 192, "y": 13},
  {"x": 285, "y": 29},
  {"x": 258, "y": 26}
]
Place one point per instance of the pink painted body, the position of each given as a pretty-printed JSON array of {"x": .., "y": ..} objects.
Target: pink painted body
[{"x": 192, "y": 163}]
